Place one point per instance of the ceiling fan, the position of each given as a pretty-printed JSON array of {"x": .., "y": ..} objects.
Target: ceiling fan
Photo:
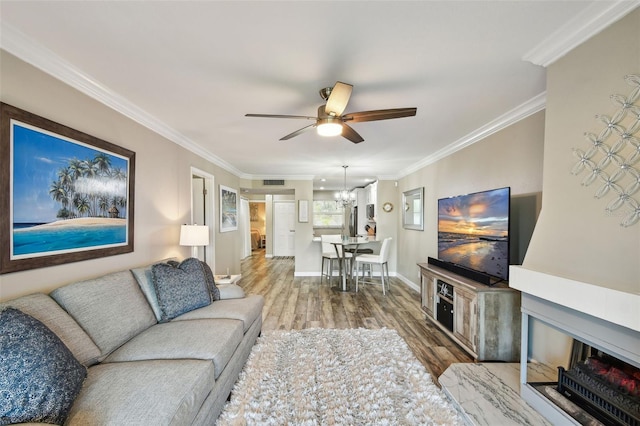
[{"x": 330, "y": 120}]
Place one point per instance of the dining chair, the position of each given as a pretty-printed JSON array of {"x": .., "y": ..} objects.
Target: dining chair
[
  {"x": 381, "y": 259},
  {"x": 329, "y": 255}
]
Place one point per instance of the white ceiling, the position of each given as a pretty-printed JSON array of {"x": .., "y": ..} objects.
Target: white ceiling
[{"x": 191, "y": 70}]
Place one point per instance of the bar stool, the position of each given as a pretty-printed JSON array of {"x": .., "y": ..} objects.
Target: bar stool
[
  {"x": 381, "y": 259},
  {"x": 329, "y": 255}
]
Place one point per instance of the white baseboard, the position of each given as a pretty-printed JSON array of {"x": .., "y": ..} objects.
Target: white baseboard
[{"x": 408, "y": 282}]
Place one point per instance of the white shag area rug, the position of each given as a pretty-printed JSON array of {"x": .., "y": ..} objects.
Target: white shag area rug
[{"x": 336, "y": 377}]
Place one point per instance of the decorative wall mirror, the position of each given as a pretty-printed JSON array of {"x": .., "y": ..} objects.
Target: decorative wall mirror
[{"x": 413, "y": 209}]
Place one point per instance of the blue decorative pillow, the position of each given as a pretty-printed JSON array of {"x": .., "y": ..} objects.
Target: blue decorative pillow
[
  {"x": 181, "y": 288},
  {"x": 39, "y": 376},
  {"x": 214, "y": 291}
]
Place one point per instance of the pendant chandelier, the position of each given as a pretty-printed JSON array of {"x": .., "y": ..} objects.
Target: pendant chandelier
[{"x": 345, "y": 197}]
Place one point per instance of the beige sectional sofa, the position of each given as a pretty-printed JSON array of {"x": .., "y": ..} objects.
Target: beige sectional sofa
[{"x": 141, "y": 368}]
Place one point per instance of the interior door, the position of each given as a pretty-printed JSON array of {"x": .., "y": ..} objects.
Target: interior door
[
  {"x": 284, "y": 228},
  {"x": 202, "y": 211}
]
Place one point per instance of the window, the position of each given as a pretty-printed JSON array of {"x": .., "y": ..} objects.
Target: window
[{"x": 327, "y": 214}]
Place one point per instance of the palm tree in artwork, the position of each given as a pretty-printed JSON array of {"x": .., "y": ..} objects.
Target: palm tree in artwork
[
  {"x": 76, "y": 168},
  {"x": 65, "y": 180},
  {"x": 82, "y": 204},
  {"x": 103, "y": 163},
  {"x": 86, "y": 187},
  {"x": 118, "y": 174},
  {"x": 103, "y": 204},
  {"x": 58, "y": 192}
]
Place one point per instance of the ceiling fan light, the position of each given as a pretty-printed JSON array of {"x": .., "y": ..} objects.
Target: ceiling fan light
[{"x": 329, "y": 129}]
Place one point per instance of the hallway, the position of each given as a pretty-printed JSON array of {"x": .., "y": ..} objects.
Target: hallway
[{"x": 302, "y": 302}]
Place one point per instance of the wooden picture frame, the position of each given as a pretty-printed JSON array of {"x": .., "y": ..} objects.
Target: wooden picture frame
[
  {"x": 65, "y": 196},
  {"x": 228, "y": 209}
]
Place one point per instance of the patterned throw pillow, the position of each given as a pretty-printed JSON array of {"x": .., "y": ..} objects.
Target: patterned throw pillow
[
  {"x": 39, "y": 376},
  {"x": 211, "y": 282},
  {"x": 181, "y": 288}
]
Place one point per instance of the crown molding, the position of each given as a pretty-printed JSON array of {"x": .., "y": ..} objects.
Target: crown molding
[
  {"x": 522, "y": 111},
  {"x": 582, "y": 27},
  {"x": 249, "y": 176},
  {"x": 16, "y": 43}
]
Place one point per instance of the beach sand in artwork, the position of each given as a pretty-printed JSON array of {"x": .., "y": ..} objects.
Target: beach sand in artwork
[
  {"x": 79, "y": 222},
  {"x": 486, "y": 256}
]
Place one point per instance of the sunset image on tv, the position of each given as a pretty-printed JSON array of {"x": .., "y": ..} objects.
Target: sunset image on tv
[{"x": 473, "y": 231}]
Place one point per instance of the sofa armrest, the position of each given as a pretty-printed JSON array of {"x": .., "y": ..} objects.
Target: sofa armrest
[{"x": 230, "y": 291}]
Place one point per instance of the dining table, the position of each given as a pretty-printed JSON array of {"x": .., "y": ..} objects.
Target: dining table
[{"x": 351, "y": 244}]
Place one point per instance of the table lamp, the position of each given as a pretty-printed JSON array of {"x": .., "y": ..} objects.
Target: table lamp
[{"x": 194, "y": 236}]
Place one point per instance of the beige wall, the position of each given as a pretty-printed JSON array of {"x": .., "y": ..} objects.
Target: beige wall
[
  {"x": 511, "y": 157},
  {"x": 575, "y": 238},
  {"x": 162, "y": 186}
]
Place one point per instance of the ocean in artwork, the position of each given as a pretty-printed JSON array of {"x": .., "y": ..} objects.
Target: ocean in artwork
[
  {"x": 67, "y": 196},
  {"x": 31, "y": 238}
]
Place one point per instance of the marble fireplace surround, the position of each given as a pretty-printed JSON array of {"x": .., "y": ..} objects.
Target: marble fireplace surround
[{"x": 603, "y": 318}]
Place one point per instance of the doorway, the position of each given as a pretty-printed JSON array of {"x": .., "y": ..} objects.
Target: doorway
[
  {"x": 244, "y": 227},
  {"x": 284, "y": 228},
  {"x": 202, "y": 210}
]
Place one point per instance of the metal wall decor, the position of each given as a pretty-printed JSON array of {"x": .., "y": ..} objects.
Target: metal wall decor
[{"x": 612, "y": 160}]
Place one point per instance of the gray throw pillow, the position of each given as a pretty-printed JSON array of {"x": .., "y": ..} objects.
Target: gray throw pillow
[
  {"x": 211, "y": 282},
  {"x": 181, "y": 288},
  {"x": 39, "y": 376}
]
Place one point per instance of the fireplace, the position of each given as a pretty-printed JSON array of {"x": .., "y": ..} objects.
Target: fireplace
[
  {"x": 605, "y": 387},
  {"x": 604, "y": 321}
]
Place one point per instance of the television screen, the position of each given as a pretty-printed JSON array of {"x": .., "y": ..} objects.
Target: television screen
[{"x": 473, "y": 231}]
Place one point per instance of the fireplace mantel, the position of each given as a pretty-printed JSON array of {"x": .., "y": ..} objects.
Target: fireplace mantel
[
  {"x": 606, "y": 319},
  {"x": 614, "y": 306}
]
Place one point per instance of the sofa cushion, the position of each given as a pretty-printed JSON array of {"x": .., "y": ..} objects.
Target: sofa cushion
[
  {"x": 111, "y": 308},
  {"x": 211, "y": 282},
  {"x": 209, "y": 339},
  {"x": 180, "y": 288},
  {"x": 231, "y": 291},
  {"x": 46, "y": 310},
  {"x": 246, "y": 310},
  {"x": 144, "y": 276},
  {"x": 156, "y": 392},
  {"x": 39, "y": 376}
]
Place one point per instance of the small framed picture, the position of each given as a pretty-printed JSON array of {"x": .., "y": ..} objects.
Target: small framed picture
[
  {"x": 303, "y": 211},
  {"x": 228, "y": 209}
]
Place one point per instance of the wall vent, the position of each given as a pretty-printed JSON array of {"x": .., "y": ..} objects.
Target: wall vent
[{"x": 271, "y": 182}]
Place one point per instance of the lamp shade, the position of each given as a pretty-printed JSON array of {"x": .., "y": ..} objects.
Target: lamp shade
[{"x": 194, "y": 235}]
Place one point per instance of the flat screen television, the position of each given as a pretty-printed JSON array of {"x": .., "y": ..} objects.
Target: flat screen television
[{"x": 473, "y": 232}]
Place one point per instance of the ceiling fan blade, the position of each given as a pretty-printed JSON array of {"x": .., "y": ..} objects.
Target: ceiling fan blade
[
  {"x": 306, "y": 117},
  {"x": 298, "y": 132},
  {"x": 338, "y": 98},
  {"x": 349, "y": 133},
  {"x": 380, "y": 114}
]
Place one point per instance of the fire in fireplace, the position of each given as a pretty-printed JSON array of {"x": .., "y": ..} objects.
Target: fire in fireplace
[{"x": 605, "y": 387}]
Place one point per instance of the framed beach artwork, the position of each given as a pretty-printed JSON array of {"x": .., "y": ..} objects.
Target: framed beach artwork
[
  {"x": 228, "y": 209},
  {"x": 66, "y": 196}
]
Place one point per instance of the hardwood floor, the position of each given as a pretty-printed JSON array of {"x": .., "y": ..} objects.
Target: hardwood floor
[{"x": 302, "y": 302}]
